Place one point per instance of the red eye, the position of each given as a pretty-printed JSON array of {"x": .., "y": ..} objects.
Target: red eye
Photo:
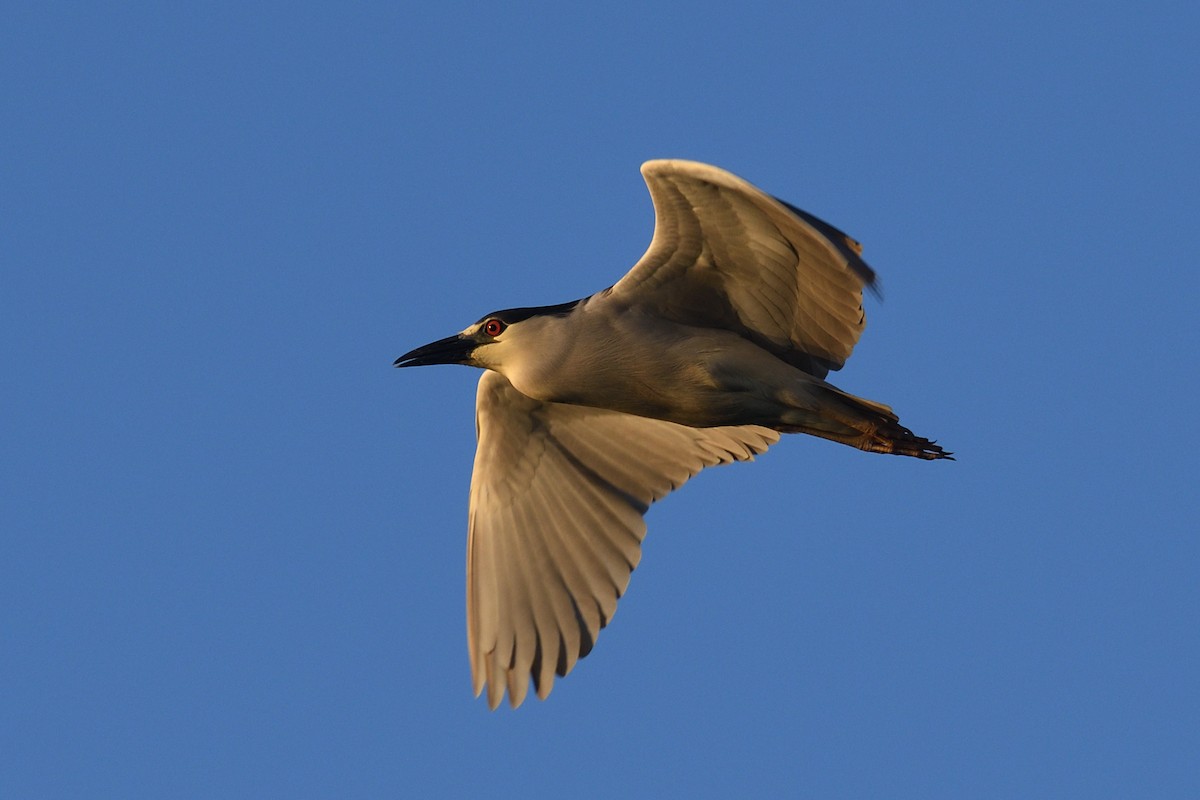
[{"x": 493, "y": 327}]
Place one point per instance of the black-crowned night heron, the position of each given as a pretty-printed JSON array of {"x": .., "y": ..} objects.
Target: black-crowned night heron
[{"x": 717, "y": 341}]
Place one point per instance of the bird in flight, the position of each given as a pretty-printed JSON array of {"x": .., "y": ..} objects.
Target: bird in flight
[{"x": 716, "y": 342}]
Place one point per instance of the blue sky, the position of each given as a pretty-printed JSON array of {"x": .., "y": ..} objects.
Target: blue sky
[{"x": 233, "y": 536}]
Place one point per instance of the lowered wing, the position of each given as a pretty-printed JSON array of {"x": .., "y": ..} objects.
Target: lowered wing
[{"x": 557, "y": 498}]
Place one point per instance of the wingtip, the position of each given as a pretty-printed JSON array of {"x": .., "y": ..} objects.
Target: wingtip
[{"x": 933, "y": 452}]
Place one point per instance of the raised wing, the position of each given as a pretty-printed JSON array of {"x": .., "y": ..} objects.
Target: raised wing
[
  {"x": 727, "y": 255},
  {"x": 557, "y": 498}
]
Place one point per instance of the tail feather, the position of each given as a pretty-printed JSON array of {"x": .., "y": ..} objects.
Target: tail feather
[{"x": 863, "y": 424}]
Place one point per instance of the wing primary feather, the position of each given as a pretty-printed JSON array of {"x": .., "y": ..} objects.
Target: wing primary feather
[
  {"x": 843, "y": 242},
  {"x": 526, "y": 613},
  {"x": 601, "y": 482},
  {"x": 596, "y": 578},
  {"x": 546, "y": 592},
  {"x": 585, "y": 574},
  {"x": 495, "y": 686},
  {"x": 558, "y": 562},
  {"x": 571, "y": 503},
  {"x": 583, "y": 501},
  {"x": 587, "y": 639},
  {"x": 483, "y": 602},
  {"x": 568, "y": 579},
  {"x": 474, "y": 651}
]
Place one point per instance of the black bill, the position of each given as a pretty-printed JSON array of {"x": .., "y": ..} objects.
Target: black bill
[{"x": 454, "y": 349}]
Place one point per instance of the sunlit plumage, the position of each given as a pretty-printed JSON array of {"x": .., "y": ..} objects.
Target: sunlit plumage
[{"x": 718, "y": 340}]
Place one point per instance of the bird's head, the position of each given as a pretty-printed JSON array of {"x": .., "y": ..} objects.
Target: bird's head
[{"x": 493, "y": 342}]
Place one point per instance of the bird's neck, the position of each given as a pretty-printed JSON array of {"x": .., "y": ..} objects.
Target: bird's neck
[{"x": 557, "y": 354}]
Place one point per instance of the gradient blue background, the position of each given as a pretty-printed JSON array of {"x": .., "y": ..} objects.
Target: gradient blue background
[{"x": 233, "y": 536}]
